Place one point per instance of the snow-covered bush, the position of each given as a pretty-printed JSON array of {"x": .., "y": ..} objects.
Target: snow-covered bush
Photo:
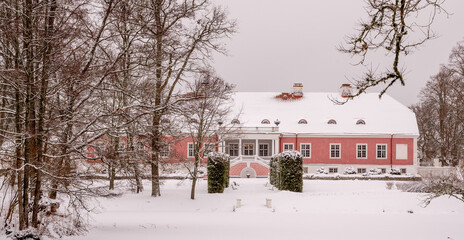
[
  {"x": 395, "y": 171},
  {"x": 287, "y": 173},
  {"x": 217, "y": 169},
  {"x": 389, "y": 185},
  {"x": 375, "y": 171},
  {"x": 322, "y": 171},
  {"x": 349, "y": 170},
  {"x": 227, "y": 172},
  {"x": 274, "y": 170}
]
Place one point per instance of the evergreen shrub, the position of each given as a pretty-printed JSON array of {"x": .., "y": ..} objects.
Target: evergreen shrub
[
  {"x": 217, "y": 167},
  {"x": 286, "y": 171}
]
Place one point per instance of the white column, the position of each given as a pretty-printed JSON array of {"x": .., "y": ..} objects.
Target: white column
[
  {"x": 277, "y": 145},
  {"x": 256, "y": 147},
  {"x": 239, "y": 147},
  {"x": 273, "y": 147}
]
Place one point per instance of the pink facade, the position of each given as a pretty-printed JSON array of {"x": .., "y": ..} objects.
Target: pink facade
[{"x": 320, "y": 150}]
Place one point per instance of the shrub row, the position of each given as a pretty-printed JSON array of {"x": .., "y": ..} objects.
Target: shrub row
[
  {"x": 218, "y": 172},
  {"x": 286, "y": 171}
]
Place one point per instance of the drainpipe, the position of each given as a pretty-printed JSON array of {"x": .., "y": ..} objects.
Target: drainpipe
[
  {"x": 296, "y": 142},
  {"x": 391, "y": 151}
]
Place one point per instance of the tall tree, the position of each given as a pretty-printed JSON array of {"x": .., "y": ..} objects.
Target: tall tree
[
  {"x": 180, "y": 36},
  {"x": 396, "y": 27},
  {"x": 440, "y": 113},
  {"x": 203, "y": 117}
]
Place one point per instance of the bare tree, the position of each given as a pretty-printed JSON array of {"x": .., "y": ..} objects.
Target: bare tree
[
  {"x": 203, "y": 118},
  {"x": 440, "y": 113},
  {"x": 396, "y": 27},
  {"x": 180, "y": 35}
]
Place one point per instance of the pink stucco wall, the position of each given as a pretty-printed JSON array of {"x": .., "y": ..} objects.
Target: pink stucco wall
[{"x": 320, "y": 150}]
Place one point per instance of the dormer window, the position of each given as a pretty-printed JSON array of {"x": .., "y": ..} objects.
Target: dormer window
[
  {"x": 360, "y": 122},
  {"x": 302, "y": 121},
  {"x": 265, "y": 121},
  {"x": 332, "y": 121},
  {"x": 235, "y": 121}
]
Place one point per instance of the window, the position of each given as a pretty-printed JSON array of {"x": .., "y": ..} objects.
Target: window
[
  {"x": 360, "y": 122},
  {"x": 266, "y": 121},
  {"x": 263, "y": 150},
  {"x": 288, "y": 146},
  {"x": 248, "y": 149},
  {"x": 381, "y": 151},
  {"x": 361, "y": 170},
  {"x": 235, "y": 121},
  {"x": 402, "y": 151},
  {"x": 305, "y": 150},
  {"x": 191, "y": 150},
  {"x": 233, "y": 149},
  {"x": 384, "y": 170},
  {"x": 333, "y": 170},
  {"x": 164, "y": 151},
  {"x": 332, "y": 121},
  {"x": 335, "y": 150},
  {"x": 403, "y": 170},
  {"x": 209, "y": 147},
  {"x": 302, "y": 121},
  {"x": 361, "y": 150},
  {"x": 305, "y": 170}
]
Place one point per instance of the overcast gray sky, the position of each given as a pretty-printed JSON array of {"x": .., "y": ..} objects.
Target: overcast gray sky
[{"x": 281, "y": 42}]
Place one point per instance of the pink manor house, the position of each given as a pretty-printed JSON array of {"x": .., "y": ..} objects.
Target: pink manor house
[{"x": 363, "y": 133}]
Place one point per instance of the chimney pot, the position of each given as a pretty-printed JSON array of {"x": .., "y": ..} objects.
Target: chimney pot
[
  {"x": 298, "y": 89},
  {"x": 345, "y": 90}
]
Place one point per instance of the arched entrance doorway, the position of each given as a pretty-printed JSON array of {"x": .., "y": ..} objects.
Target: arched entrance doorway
[{"x": 248, "y": 172}]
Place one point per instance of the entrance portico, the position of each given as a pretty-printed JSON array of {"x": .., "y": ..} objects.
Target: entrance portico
[{"x": 251, "y": 150}]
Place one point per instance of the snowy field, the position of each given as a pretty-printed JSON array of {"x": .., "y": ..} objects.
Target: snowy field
[{"x": 325, "y": 210}]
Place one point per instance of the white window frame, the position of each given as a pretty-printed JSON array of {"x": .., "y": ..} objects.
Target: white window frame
[
  {"x": 339, "y": 150},
  {"x": 188, "y": 150},
  {"x": 289, "y": 144},
  {"x": 309, "y": 150},
  {"x": 333, "y": 170},
  {"x": 165, "y": 153},
  {"x": 248, "y": 149},
  {"x": 237, "y": 149},
  {"x": 361, "y": 170},
  {"x": 377, "y": 150},
  {"x": 357, "y": 150},
  {"x": 398, "y": 156},
  {"x": 267, "y": 149}
]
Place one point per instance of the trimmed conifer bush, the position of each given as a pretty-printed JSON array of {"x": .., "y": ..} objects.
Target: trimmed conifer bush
[
  {"x": 286, "y": 171},
  {"x": 291, "y": 171},
  {"x": 274, "y": 172},
  {"x": 216, "y": 167},
  {"x": 227, "y": 172}
]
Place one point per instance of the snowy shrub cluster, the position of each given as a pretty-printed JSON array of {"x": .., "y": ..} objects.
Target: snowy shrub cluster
[
  {"x": 322, "y": 170},
  {"x": 218, "y": 172},
  {"x": 449, "y": 186},
  {"x": 287, "y": 171},
  {"x": 349, "y": 170},
  {"x": 373, "y": 171},
  {"x": 395, "y": 171}
]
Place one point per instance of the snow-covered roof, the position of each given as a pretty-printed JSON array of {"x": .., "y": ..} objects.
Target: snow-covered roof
[{"x": 381, "y": 116}]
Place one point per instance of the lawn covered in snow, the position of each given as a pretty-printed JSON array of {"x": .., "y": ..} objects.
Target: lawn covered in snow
[{"x": 325, "y": 210}]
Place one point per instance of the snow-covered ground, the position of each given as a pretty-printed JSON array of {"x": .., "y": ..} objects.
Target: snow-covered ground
[{"x": 325, "y": 210}]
